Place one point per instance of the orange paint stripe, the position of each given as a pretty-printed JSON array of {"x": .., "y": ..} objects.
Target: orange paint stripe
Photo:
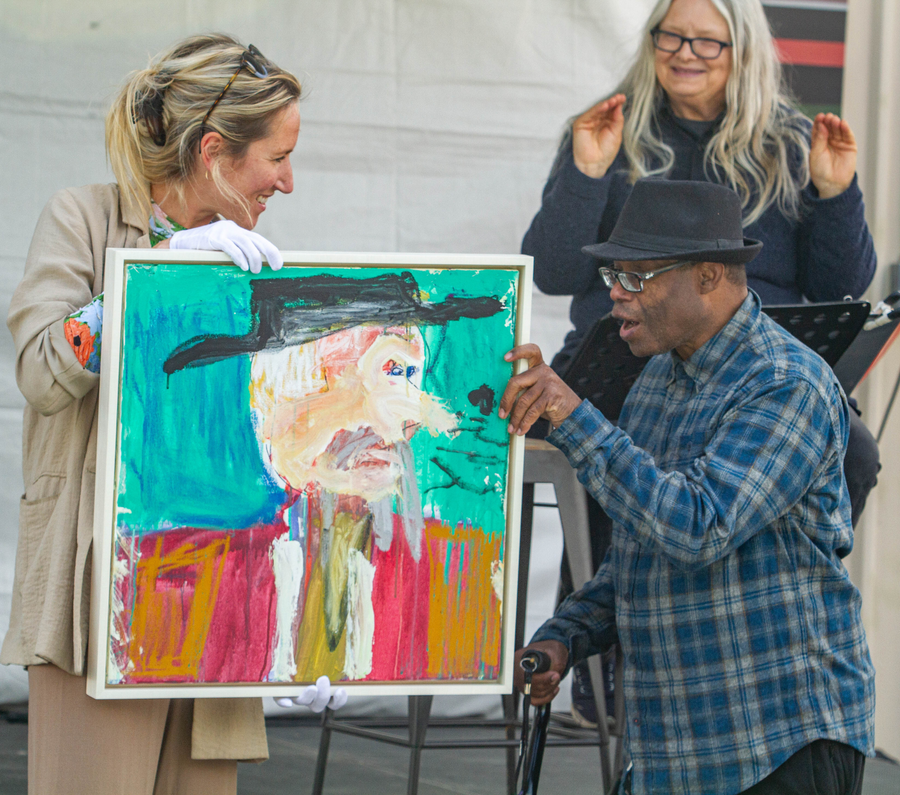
[
  {"x": 806, "y": 52},
  {"x": 169, "y": 628},
  {"x": 464, "y": 614}
]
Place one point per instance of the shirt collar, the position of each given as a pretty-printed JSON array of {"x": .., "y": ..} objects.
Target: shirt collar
[
  {"x": 706, "y": 360},
  {"x": 132, "y": 216},
  {"x": 665, "y": 110}
]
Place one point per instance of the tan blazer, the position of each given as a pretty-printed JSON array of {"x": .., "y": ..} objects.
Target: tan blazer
[{"x": 51, "y": 589}]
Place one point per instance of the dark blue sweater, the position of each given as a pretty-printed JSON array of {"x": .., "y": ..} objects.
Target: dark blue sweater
[{"x": 826, "y": 256}]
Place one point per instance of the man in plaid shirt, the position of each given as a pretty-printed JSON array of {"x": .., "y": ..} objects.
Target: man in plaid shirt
[{"x": 746, "y": 664}]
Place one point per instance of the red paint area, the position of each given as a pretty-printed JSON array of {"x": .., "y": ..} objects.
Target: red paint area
[
  {"x": 199, "y": 606},
  {"x": 805, "y": 52},
  {"x": 400, "y": 600}
]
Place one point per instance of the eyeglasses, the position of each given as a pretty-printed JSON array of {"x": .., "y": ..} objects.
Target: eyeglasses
[
  {"x": 632, "y": 281},
  {"x": 251, "y": 60},
  {"x": 707, "y": 49}
]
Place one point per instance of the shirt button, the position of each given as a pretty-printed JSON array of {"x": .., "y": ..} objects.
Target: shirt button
[
  {"x": 637, "y": 721},
  {"x": 632, "y": 658},
  {"x": 626, "y": 597}
]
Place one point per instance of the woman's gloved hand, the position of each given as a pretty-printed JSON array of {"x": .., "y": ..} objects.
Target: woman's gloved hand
[
  {"x": 247, "y": 249},
  {"x": 317, "y": 696}
]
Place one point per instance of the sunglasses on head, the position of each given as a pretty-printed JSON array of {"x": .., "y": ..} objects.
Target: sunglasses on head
[{"x": 253, "y": 61}]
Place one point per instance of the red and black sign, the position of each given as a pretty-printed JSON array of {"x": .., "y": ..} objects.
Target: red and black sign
[{"x": 809, "y": 35}]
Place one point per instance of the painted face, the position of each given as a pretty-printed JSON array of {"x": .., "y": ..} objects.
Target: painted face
[
  {"x": 664, "y": 316},
  {"x": 331, "y": 411},
  {"x": 695, "y": 87},
  {"x": 264, "y": 169}
]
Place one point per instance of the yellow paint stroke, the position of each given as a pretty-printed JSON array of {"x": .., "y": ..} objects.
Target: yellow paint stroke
[
  {"x": 162, "y": 643},
  {"x": 313, "y": 656},
  {"x": 347, "y": 533},
  {"x": 464, "y": 612}
]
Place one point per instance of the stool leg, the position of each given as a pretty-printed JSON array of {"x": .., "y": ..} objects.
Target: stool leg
[
  {"x": 511, "y": 714},
  {"x": 573, "y": 515},
  {"x": 595, "y": 667},
  {"x": 322, "y": 758},
  {"x": 419, "y": 712}
]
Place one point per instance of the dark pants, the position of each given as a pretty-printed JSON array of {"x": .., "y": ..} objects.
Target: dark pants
[
  {"x": 824, "y": 767},
  {"x": 861, "y": 465}
]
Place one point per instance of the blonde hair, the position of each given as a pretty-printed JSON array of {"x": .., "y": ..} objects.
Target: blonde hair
[
  {"x": 153, "y": 128},
  {"x": 761, "y": 146}
]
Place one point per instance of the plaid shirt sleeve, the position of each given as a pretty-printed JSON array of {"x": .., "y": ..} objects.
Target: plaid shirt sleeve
[
  {"x": 761, "y": 460},
  {"x": 758, "y": 465},
  {"x": 585, "y": 623}
]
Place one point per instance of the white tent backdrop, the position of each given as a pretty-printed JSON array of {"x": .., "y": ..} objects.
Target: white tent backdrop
[{"x": 428, "y": 125}]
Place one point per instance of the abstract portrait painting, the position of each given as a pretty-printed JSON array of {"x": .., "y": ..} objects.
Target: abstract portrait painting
[{"x": 303, "y": 472}]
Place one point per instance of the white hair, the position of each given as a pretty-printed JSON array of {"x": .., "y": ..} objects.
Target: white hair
[{"x": 761, "y": 147}]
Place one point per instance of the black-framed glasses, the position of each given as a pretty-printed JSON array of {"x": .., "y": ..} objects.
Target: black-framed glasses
[
  {"x": 707, "y": 49},
  {"x": 253, "y": 61},
  {"x": 632, "y": 281}
]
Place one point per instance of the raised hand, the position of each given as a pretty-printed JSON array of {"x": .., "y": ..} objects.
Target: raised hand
[
  {"x": 832, "y": 155},
  {"x": 537, "y": 392},
  {"x": 597, "y": 136}
]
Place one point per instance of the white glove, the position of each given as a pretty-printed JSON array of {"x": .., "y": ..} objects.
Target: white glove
[
  {"x": 317, "y": 696},
  {"x": 246, "y": 248}
]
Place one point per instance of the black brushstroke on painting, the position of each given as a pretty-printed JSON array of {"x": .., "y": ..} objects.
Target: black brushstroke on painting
[{"x": 288, "y": 312}]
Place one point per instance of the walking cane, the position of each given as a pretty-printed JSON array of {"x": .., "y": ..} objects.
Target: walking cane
[{"x": 534, "y": 732}]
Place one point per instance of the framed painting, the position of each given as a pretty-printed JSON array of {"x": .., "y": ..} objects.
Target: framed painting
[{"x": 303, "y": 472}]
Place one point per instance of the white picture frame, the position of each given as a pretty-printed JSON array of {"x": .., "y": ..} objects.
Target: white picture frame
[{"x": 128, "y": 271}]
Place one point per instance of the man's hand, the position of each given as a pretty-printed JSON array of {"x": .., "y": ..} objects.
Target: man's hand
[
  {"x": 832, "y": 155},
  {"x": 597, "y": 136},
  {"x": 538, "y": 392},
  {"x": 545, "y": 686}
]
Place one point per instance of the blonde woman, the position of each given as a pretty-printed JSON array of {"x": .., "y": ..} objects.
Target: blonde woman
[
  {"x": 704, "y": 100},
  {"x": 199, "y": 141}
]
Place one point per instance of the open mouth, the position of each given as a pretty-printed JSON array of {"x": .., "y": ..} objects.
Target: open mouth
[{"x": 626, "y": 327}]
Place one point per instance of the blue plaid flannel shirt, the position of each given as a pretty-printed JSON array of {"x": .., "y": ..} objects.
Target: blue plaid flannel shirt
[{"x": 740, "y": 628}]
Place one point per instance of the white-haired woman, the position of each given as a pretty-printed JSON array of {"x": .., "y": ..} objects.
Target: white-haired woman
[
  {"x": 704, "y": 100},
  {"x": 199, "y": 141}
]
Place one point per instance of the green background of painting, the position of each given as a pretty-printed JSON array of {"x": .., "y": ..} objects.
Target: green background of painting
[{"x": 189, "y": 456}]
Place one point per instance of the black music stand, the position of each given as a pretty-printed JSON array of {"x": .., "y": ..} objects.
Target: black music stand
[
  {"x": 863, "y": 354},
  {"x": 829, "y": 329},
  {"x": 603, "y": 368}
]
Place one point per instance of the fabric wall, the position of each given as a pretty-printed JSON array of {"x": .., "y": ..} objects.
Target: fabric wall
[
  {"x": 872, "y": 105},
  {"x": 428, "y": 125}
]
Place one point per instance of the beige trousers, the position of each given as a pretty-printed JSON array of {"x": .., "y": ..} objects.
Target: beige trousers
[{"x": 79, "y": 746}]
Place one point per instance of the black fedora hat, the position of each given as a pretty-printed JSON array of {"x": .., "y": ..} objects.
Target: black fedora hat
[
  {"x": 289, "y": 312},
  {"x": 677, "y": 219}
]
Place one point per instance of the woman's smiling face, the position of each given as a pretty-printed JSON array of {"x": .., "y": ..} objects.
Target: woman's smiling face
[
  {"x": 264, "y": 169},
  {"x": 695, "y": 86}
]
